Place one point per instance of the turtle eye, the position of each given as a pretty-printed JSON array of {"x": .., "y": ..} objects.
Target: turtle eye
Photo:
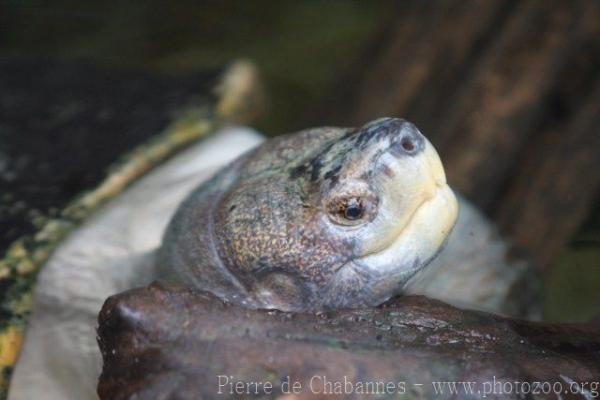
[
  {"x": 348, "y": 211},
  {"x": 352, "y": 204},
  {"x": 353, "y": 211}
]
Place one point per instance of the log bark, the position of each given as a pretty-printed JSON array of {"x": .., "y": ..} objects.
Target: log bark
[
  {"x": 556, "y": 185},
  {"x": 430, "y": 51},
  {"x": 490, "y": 84},
  {"x": 171, "y": 343},
  {"x": 497, "y": 108}
]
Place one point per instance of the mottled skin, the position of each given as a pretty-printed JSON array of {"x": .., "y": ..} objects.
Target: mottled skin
[{"x": 324, "y": 218}]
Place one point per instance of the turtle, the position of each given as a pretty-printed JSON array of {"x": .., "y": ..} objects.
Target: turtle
[
  {"x": 326, "y": 218},
  {"x": 331, "y": 218},
  {"x": 322, "y": 219}
]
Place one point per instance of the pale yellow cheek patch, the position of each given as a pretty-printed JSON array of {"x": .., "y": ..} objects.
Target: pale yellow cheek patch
[
  {"x": 435, "y": 165},
  {"x": 416, "y": 181}
]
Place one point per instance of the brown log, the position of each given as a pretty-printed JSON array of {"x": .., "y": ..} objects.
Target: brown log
[
  {"x": 497, "y": 109},
  {"x": 171, "y": 343},
  {"x": 557, "y": 184},
  {"x": 425, "y": 59},
  {"x": 487, "y": 82}
]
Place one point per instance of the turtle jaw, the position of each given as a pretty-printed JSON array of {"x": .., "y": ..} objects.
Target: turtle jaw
[
  {"x": 417, "y": 238},
  {"x": 416, "y": 245}
]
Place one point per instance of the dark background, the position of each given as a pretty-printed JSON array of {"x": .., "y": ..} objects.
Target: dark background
[{"x": 508, "y": 91}]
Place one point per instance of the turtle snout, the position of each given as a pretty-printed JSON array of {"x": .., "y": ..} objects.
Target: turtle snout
[
  {"x": 408, "y": 141},
  {"x": 402, "y": 137}
]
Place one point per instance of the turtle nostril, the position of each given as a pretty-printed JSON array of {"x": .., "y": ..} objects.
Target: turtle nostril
[
  {"x": 407, "y": 144},
  {"x": 410, "y": 143}
]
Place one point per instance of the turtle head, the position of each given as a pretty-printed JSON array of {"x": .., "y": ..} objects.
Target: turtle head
[
  {"x": 324, "y": 218},
  {"x": 383, "y": 195}
]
